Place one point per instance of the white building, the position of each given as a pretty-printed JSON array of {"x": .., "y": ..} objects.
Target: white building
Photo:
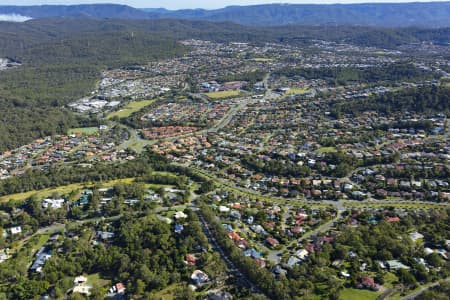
[{"x": 53, "y": 203}]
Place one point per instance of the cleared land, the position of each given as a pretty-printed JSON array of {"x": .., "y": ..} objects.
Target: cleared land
[
  {"x": 262, "y": 59},
  {"x": 85, "y": 130},
  {"x": 297, "y": 91},
  {"x": 223, "y": 94},
  {"x": 129, "y": 109},
  {"x": 356, "y": 294},
  {"x": 60, "y": 190}
]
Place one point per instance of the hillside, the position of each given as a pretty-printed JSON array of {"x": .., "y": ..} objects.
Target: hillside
[
  {"x": 62, "y": 58},
  {"x": 423, "y": 14},
  {"x": 100, "y": 11},
  {"x": 378, "y": 14}
]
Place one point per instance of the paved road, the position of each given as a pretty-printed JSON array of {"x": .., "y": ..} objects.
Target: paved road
[
  {"x": 415, "y": 294},
  {"x": 232, "y": 269}
]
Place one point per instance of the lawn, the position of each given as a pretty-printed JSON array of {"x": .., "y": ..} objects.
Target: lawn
[
  {"x": 262, "y": 59},
  {"x": 25, "y": 251},
  {"x": 62, "y": 190},
  {"x": 295, "y": 91},
  {"x": 85, "y": 130},
  {"x": 389, "y": 280},
  {"x": 95, "y": 280},
  {"x": 168, "y": 293},
  {"x": 223, "y": 94},
  {"x": 129, "y": 109},
  {"x": 356, "y": 294}
]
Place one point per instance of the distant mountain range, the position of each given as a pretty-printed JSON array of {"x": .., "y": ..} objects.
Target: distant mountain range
[{"x": 424, "y": 14}]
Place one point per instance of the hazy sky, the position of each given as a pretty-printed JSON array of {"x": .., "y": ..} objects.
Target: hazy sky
[{"x": 176, "y": 4}]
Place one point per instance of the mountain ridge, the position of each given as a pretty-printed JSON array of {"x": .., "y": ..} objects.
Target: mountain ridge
[{"x": 408, "y": 14}]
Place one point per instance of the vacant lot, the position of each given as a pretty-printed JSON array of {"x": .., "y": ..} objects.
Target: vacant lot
[
  {"x": 223, "y": 94},
  {"x": 85, "y": 130},
  {"x": 356, "y": 294},
  {"x": 130, "y": 108},
  {"x": 296, "y": 91}
]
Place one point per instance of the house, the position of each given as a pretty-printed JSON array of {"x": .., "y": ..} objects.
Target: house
[
  {"x": 297, "y": 230},
  {"x": 252, "y": 253},
  {"x": 180, "y": 215},
  {"x": 220, "y": 295},
  {"x": 392, "y": 219},
  {"x": 41, "y": 257},
  {"x": 4, "y": 255},
  {"x": 292, "y": 261},
  {"x": 80, "y": 280},
  {"x": 16, "y": 230},
  {"x": 368, "y": 282},
  {"x": 302, "y": 254},
  {"x": 105, "y": 235},
  {"x": 224, "y": 209},
  {"x": 278, "y": 270},
  {"x": 191, "y": 260},
  {"x": 272, "y": 242},
  {"x": 82, "y": 289},
  {"x": 396, "y": 265},
  {"x": 415, "y": 236},
  {"x": 235, "y": 214},
  {"x": 179, "y": 228},
  {"x": 260, "y": 262},
  {"x": 117, "y": 289},
  {"x": 53, "y": 203},
  {"x": 258, "y": 229},
  {"x": 199, "y": 277}
]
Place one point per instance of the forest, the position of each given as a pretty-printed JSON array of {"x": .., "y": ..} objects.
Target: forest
[
  {"x": 145, "y": 254},
  {"x": 344, "y": 75},
  {"x": 419, "y": 100},
  {"x": 62, "y": 59}
]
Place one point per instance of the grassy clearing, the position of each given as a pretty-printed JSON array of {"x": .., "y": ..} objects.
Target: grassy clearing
[
  {"x": 223, "y": 94},
  {"x": 129, "y": 109},
  {"x": 168, "y": 293},
  {"x": 295, "y": 91},
  {"x": 25, "y": 251},
  {"x": 262, "y": 59},
  {"x": 95, "y": 280},
  {"x": 356, "y": 294},
  {"x": 85, "y": 130},
  {"x": 389, "y": 280},
  {"x": 62, "y": 190},
  {"x": 326, "y": 150}
]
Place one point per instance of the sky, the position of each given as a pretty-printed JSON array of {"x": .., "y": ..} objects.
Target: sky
[{"x": 180, "y": 4}]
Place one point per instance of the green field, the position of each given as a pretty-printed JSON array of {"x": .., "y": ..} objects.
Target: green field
[
  {"x": 356, "y": 294},
  {"x": 62, "y": 190},
  {"x": 85, "y": 130},
  {"x": 129, "y": 109},
  {"x": 389, "y": 280},
  {"x": 295, "y": 91},
  {"x": 168, "y": 293},
  {"x": 223, "y": 94},
  {"x": 262, "y": 59},
  {"x": 95, "y": 280}
]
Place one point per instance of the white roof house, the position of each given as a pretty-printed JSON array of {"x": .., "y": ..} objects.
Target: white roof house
[{"x": 53, "y": 203}]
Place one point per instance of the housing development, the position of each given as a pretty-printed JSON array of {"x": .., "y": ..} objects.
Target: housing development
[{"x": 239, "y": 170}]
